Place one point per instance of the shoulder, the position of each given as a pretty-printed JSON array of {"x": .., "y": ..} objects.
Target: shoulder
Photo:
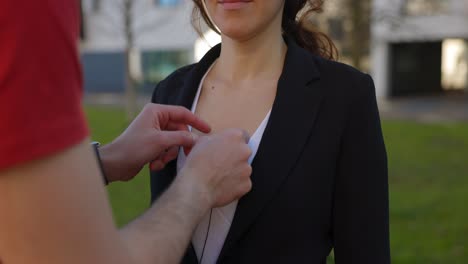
[
  {"x": 169, "y": 86},
  {"x": 343, "y": 80}
]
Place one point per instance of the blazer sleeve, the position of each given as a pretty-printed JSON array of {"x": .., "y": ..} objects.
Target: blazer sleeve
[
  {"x": 157, "y": 97},
  {"x": 361, "y": 207},
  {"x": 167, "y": 88}
]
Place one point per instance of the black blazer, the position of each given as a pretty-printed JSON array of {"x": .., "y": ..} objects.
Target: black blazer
[{"x": 320, "y": 173}]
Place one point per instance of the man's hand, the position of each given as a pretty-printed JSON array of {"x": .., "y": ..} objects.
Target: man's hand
[
  {"x": 155, "y": 134},
  {"x": 216, "y": 173},
  {"x": 218, "y": 169}
]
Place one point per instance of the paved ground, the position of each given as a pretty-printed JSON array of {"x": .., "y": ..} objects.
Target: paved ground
[
  {"x": 112, "y": 99},
  {"x": 446, "y": 108}
]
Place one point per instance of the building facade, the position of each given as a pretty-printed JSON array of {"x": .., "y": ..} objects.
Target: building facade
[
  {"x": 419, "y": 46},
  {"x": 162, "y": 40}
]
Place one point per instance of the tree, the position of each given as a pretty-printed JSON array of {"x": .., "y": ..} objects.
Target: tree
[
  {"x": 127, "y": 20},
  {"x": 360, "y": 13},
  {"x": 130, "y": 91},
  {"x": 348, "y": 23}
]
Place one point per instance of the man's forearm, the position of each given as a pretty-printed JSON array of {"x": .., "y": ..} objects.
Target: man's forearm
[{"x": 162, "y": 234}]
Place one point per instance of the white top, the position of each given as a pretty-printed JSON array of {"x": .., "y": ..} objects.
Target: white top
[{"x": 222, "y": 217}]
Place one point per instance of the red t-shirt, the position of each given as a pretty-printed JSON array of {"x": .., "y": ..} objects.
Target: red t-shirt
[{"x": 40, "y": 80}]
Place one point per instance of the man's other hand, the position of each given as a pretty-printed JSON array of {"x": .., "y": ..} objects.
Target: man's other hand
[
  {"x": 155, "y": 134},
  {"x": 217, "y": 168}
]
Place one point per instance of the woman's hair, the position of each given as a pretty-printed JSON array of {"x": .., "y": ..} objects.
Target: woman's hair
[{"x": 296, "y": 23}]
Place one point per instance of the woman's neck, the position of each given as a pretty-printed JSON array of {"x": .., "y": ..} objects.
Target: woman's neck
[{"x": 261, "y": 56}]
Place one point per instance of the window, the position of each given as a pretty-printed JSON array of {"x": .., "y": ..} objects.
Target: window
[
  {"x": 157, "y": 65},
  {"x": 96, "y": 5},
  {"x": 336, "y": 28},
  {"x": 426, "y": 7},
  {"x": 168, "y": 3}
]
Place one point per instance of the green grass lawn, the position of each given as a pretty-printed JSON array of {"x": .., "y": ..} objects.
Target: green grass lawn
[{"x": 428, "y": 187}]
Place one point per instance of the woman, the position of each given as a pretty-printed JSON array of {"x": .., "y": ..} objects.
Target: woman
[{"x": 319, "y": 161}]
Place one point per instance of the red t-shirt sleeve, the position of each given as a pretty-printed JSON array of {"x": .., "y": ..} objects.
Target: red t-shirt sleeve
[{"x": 40, "y": 80}]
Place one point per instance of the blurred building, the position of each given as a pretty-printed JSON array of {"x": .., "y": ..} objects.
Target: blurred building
[
  {"x": 347, "y": 23},
  {"x": 419, "y": 46},
  {"x": 163, "y": 40}
]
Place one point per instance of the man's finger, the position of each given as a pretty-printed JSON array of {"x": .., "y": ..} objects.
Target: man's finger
[
  {"x": 187, "y": 150},
  {"x": 170, "y": 155},
  {"x": 169, "y": 139},
  {"x": 182, "y": 115},
  {"x": 177, "y": 127},
  {"x": 246, "y": 136},
  {"x": 156, "y": 165}
]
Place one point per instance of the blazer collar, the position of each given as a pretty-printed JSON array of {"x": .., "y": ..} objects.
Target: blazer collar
[
  {"x": 299, "y": 65},
  {"x": 189, "y": 89},
  {"x": 292, "y": 118}
]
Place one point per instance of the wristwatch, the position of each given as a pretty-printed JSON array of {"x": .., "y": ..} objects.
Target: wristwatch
[{"x": 96, "y": 146}]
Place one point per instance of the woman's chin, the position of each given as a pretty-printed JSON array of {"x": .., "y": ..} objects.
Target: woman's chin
[{"x": 238, "y": 34}]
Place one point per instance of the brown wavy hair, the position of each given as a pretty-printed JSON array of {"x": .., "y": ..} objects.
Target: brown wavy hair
[{"x": 296, "y": 24}]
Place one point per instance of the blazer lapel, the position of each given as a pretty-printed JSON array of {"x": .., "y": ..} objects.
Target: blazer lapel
[
  {"x": 189, "y": 88},
  {"x": 292, "y": 118},
  {"x": 183, "y": 95}
]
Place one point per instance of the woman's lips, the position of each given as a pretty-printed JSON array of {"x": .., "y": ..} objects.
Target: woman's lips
[
  {"x": 233, "y": 1},
  {"x": 234, "y": 4}
]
